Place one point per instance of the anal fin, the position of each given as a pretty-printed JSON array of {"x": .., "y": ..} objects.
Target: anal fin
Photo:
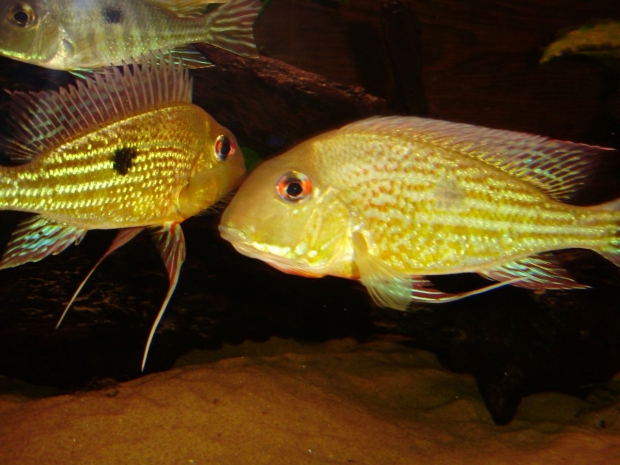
[
  {"x": 38, "y": 237},
  {"x": 123, "y": 236},
  {"x": 394, "y": 289},
  {"x": 170, "y": 243},
  {"x": 541, "y": 271}
]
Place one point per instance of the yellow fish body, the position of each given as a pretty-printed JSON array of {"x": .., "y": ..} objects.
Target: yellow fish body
[
  {"x": 83, "y": 35},
  {"x": 391, "y": 200},
  {"x": 124, "y": 150}
]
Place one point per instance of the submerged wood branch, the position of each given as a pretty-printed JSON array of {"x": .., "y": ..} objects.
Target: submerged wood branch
[{"x": 271, "y": 105}]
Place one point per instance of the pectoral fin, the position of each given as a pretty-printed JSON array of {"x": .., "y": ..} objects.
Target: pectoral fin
[
  {"x": 541, "y": 271},
  {"x": 38, "y": 237},
  {"x": 394, "y": 289},
  {"x": 171, "y": 245},
  {"x": 123, "y": 236}
]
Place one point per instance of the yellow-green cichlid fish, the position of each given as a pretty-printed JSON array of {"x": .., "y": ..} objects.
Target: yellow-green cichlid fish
[
  {"x": 81, "y": 35},
  {"x": 124, "y": 150},
  {"x": 390, "y": 200}
]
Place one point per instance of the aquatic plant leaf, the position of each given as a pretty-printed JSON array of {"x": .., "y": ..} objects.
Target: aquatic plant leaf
[
  {"x": 599, "y": 40},
  {"x": 251, "y": 157}
]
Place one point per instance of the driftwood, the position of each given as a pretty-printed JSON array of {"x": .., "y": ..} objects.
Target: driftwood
[{"x": 271, "y": 105}]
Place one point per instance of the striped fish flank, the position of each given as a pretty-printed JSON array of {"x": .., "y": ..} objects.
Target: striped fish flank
[
  {"x": 125, "y": 149},
  {"x": 393, "y": 200}
]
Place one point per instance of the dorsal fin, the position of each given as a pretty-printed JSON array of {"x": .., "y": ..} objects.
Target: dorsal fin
[
  {"x": 42, "y": 121},
  {"x": 187, "y": 8},
  {"x": 557, "y": 167}
]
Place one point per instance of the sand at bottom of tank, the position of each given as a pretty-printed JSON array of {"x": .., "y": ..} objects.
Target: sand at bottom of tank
[{"x": 289, "y": 403}]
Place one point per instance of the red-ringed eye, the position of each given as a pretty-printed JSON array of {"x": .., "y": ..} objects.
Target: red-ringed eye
[
  {"x": 224, "y": 148},
  {"x": 294, "y": 187},
  {"x": 21, "y": 14}
]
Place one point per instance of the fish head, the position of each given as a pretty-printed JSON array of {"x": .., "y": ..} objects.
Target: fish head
[
  {"x": 288, "y": 215},
  {"x": 219, "y": 167},
  {"x": 29, "y": 32}
]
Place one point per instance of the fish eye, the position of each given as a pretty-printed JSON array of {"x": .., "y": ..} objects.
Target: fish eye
[
  {"x": 294, "y": 187},
  {"x": 21, "y": 14},
  {"x": 224, "y": 148}
]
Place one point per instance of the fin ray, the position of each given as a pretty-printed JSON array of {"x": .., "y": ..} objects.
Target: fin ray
[
  {"x": 230, "y": 27},
  {"x": 559, "y": 168},
  {"x": 170, "y": 243},
  {"x": 540, "y": 271},
  {"x": 38, "y": 237},
  {"x": 41, "y": 121},
  {"x": 393, "y": 289},
  {"x": 123, "y": 236},
  {"x": 186, "y": 8}
]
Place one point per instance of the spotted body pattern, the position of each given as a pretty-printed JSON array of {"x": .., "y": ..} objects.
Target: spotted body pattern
[
  {"x": 125, "y": 150},
  {"x": 82, "y": 35},
  {"x": 392, "y": 200}
]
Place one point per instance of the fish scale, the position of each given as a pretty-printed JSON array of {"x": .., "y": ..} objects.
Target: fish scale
[
  {"x": 392, "y": 200},
  {"x": 86, "y": 174},
  {"x": 81, "y": 35},
  {"x": 126, "y": 149},
  {"x": 489, "y": 212}
]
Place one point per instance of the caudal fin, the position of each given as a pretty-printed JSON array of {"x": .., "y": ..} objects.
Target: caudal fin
[
  {"x": 612, "y": 251},
  {"x": 230, "y": 27}
]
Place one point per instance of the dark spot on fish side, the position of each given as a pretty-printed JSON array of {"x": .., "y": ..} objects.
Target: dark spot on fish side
[
  {"x": 112, "y": 14},
  {"x": 123, "y": 158}
]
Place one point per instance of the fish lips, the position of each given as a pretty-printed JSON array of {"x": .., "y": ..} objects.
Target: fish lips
[{"x": 241, "y": 243}]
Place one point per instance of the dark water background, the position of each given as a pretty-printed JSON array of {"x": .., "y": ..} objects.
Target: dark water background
[{"x": 327, "y": 63}]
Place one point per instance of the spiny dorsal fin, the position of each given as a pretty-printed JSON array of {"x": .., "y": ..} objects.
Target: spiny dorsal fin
[
  {"x": 557, "y": 167},
  {"x": 42, "y": 121}
]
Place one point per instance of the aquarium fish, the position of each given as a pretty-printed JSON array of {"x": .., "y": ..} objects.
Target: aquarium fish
[
  {"x": 81, "y": 35},
  {"x": 392, "y": 200},
  {"x": 126, "y": 149}
]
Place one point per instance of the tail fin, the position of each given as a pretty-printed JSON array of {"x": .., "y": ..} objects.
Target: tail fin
[
  {"x": 612, "y": 251},
  {"x": 230, "y": 27}
]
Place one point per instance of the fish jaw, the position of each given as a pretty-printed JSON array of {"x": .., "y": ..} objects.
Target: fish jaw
[
  {"x": 311, "y": 237},
  {"x": 270, "y": 254},
  {"x": 38, "y": 44}
]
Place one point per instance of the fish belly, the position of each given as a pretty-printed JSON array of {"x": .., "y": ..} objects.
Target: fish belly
[{"x": 126, "y": 174}]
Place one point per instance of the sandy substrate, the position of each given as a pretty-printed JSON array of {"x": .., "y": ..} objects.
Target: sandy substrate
[{"x": 288, "y": 403}]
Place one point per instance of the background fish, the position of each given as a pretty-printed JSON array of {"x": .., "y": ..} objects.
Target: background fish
[
  {"x": 124, "y": 150},
  {"x": 391, "y": 200},
  {"x": 87, "y": 34}
]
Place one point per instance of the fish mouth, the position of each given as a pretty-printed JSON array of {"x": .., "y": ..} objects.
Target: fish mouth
[{"x": 242, "y": 244}]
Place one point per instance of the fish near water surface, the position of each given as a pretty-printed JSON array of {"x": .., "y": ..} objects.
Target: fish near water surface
[
  {"x": 125, "y": 150},
  {"x": 391, "y": 200},
  {"x": 79, "y": 35}
]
